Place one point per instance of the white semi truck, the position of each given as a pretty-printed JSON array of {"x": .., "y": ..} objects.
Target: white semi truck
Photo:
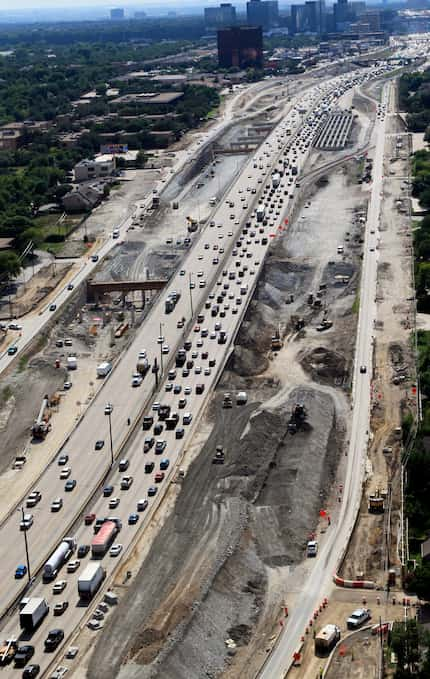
[{"x": 90, "y": 580}]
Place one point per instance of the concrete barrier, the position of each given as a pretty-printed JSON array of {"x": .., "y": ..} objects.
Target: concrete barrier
[{"x": 353, "y": 584}]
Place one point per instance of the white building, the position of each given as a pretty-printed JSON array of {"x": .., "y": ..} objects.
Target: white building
[{"x": 101, "y": 166}]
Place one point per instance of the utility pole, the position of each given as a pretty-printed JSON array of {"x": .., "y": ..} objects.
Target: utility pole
[
  {"x": 27, "y": 556},
  {"x": 191, "y": 297},
  {"x": 161, "y": 349},
  {"x": 110, "y": 435}
]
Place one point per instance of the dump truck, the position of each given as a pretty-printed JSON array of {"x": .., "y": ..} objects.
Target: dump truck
[
  {"x": 33, "y": 613},
  {"x": 90, "y": 580},
  {"x": 277, "y": 342},
  {"x": 104, "y": 538},
  {"x": 326, "y": 639},
  {"x": 58, "y": 558}
]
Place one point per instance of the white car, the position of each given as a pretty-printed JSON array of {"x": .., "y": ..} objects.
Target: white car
[
  {"x": 114, "y": 502},
  {"x": 73, "y": 566},
  {"x": 165, "y": 349},
  {"x": 65, "y": 473},
  {"x": 59, "y": 586},
  {"x": 115, "y": 550},
  {"x": 108, "y": 410},
  {"x": 136, "y": 380}
]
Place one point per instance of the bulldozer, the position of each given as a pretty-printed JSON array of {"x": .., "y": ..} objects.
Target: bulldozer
[
  {"x": 219, "y": 457},
  {"x": 297, "y": 419},
  {"x": 277, "y": 342}
]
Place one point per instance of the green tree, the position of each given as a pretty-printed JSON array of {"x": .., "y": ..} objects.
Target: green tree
[{"x": 9, "y": 264}]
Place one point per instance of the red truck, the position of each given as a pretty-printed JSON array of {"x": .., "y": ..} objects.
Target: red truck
[{"x": 104, "y": 538}]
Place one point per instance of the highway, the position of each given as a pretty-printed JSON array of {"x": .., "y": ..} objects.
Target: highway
[
  {"x": 204, "y": 265},
  {"x": 319, "y": 582}
]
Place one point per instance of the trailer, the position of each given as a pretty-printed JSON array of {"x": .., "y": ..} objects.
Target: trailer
[
  {"x": 58, "y": 558},
  {"x": 104, "y": 538},
  {"x": 90, "y": 580},
  {"x": 32, "y": 614}
]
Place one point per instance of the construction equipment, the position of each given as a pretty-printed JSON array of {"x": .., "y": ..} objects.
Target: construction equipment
[
  {"x": 41, "y": 425},
  {"x": 192, "y": 224},
  {"x": 277, "y": 342},
  {"x": 324, "y": 325},
  {"x": 297, "y": 419},
  {"x": 8, "y": 650},
  {"x": 227, "y": 401},
  {"x": 219, "y": 457},
  {"x": 376, "y": 502}
]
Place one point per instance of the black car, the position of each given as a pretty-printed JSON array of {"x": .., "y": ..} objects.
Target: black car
[
  {"x": 70, "y": 485},
  {"x": 55, "y": 637},
  {"x": 83, "y": 551},
  {"x": 62, "y": 460},
  {"x": 31, "y": 671},
  {"x": 149, "y": 466},
  {"x": 148, "y": 443},
  {"x": 107, "y": 491},
  {"x": 158, "y": 428},
  {"x": 23, "y": 655},
  {"x": 99, "y": 444},
  {"x": 179, "y": 433}
]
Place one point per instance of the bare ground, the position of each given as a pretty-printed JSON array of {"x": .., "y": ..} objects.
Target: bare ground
[{"x": 218, "y": 567}]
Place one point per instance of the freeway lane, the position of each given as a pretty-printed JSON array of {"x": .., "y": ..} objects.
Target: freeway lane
[
  {"x": 85, "y": 463},
  {"x": 88, "y": 466},
  {"x": 319, "y": 582}
]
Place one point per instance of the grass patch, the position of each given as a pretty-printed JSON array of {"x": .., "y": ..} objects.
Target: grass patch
[
  {"x": 22, "y": 364},
  {"x": 356, "y": 304},
  {"x": 6, "y": 394}
]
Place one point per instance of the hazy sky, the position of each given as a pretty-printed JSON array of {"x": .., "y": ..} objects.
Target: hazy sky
[{"x": 12, "y": 5}]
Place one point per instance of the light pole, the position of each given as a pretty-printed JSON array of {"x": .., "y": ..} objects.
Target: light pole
[
  {"x": 161, "y": 348},
  {"x": 26, "y": 543},
  {"x": 191, "y": 297},
  {"x": 109, "y": 409}
]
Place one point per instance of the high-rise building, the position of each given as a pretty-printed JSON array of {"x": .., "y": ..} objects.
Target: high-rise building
[
  {"x": 140, "y": 14},
  {"x": 224, "y": 15},
  {"x": 117, "y": 14},
  {"x": 240, "y": 47},
  {"x": 343, "y": 15},
  {"x": 308, "y": 18},
  {"x": 263, "y": 13}
]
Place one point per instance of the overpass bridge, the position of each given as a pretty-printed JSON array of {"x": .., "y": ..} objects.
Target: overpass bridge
[{"x": 96, "y": 289}]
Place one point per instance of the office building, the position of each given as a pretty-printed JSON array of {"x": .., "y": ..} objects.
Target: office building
[
  {"x": 263, "y": 13},
  {"x": 308, "y": 18},
  {"x": 117, "y": 14},
  {"x": 343, "y": 15},
  {"x": 240, "y": 47},
  {"x": 217, "y": 17}
]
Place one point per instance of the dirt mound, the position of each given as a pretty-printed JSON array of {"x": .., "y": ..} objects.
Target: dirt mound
[{"x": 324, "y": 365}]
